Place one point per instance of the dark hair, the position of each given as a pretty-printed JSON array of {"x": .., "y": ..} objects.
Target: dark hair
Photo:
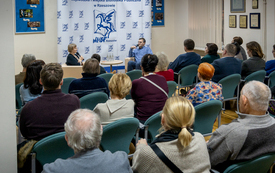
[
  {"x": 143, "y": 39},
  {"x": 238, "y": 47},
  {"x": 189, "y": 44},
  {"x": 51, "y": 76},
  {"x": 149, "y": 62},
  {"x": 255, "y": 49},
  {"x": 239, "y": 40},
  {"x": 96, "y": 56},
  {"x": 212, "y": 48},
  {"x": 274, "y": 46},
  {"x": 32, "y": 77},
  {"x": 91, "y": 66}
]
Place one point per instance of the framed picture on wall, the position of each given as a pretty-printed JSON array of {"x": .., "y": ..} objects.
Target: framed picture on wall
[
  {"x": 237, "y": 6},
  {"x": 243, "y": 21},
  {"x": 255, "y": 20},
  {"x": 255, "y": 4},
  {"x": 232, "y": 21}
]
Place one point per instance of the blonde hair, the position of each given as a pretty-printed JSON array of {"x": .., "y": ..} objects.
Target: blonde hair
[
  {"x": 120, "y": 85},
  {"x": 163, "y": 61},
  {"x": 71, "y": 47},
  {"x": 179, "y": 115}
]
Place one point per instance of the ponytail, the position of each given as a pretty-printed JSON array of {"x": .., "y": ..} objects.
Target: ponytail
[{"x": 185, "y": 137}]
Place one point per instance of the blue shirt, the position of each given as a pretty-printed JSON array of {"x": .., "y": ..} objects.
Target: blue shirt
[
  {"x": 139, "y": 53},
  {"x": 269, "y": 66},
  {"x": 184, "y": 60}
]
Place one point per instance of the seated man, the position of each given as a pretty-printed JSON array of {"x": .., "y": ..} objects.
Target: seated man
[
  {"x": 83, "y": 135},
  {"x": 227, "y": 65},
  {"x": 250, "y": 135},
  {"x": 26, "y": 59},
  {"x": 138, "y": 53},
  {"x": 47, "y": 114}
]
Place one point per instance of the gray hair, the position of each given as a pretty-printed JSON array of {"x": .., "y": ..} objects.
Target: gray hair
[
  {"x": 26, "y": 59},
  {"x": 163, "y": 61},
  {"x": 83, "y": 129},
  {"x": 258, "y": 95},
  {"x": 231, "y": 49}
]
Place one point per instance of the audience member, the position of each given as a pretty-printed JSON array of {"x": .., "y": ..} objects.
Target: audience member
[
  {"x": 97, "y": 56},
  {"x": 184, "y": 148},
  {"x": 26, "y": 59},
  {"x": 270, "y": 65},
  {"x": 238, "y": 54},
  {"x": 47, "y": 114},
  {"x": 74, "y": 58},
  {"x": 118, "y": 107},
  {"x": 271, "y": 107},
  {"x": 83, "y": 135},
  {"x": 212, "y": 53},
  {"x": 255, "y": 62},
  {"x": 150, "y": 91},
  {"x": 250, "y": 135},
  {"x": 162, "y": 67},
  {"x": 89, "y": 83},
  {"x": 227, "y": 65},
  {"x": 239, "y": 40},
  {"x": 31, "y": 88},
  {"x": 138, "y": 53},
  {"x": 205, "y": 90}
]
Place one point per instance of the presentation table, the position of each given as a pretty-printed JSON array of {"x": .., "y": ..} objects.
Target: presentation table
[{"x": 111, "y": 63}]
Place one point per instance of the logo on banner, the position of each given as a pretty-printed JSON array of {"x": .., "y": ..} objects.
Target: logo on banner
[
  {"x": 135, "y": 25},
  {"x": 86, "y": 26},
  {"x": 65, "y": 53},
  {"x": 64, "y": 2},
  {"x": 58, "y": 14},
  {"x": 141, "y": 35},
  {"x": 104, "y": 25},
  {"x": 128, "y": 13},
  {"x": 141, "y": 13},
  {"x": 148, "y": 45},
  {"x": 71, "y": 39},
  {"x": 147, "y": 24},
  {"x": 81, "y": 38},
  {"x": 122, "y": 25},
  {"x": 122, "y": 47},
  {"x": 128, "y": 36},
  {"x": 117, "y": 58},
  {"x": 65, "y": 27},
  {"x": 87, "y": 50},
  {"x": 110, "y": 49},
  {"x": 98, "y": 49},
  {"x": 76, "y": 26},
  {"x": 81, "y": 14},
  {"x": 58, "y": 40},
  {"x": 71, "y": 14},
  {"x": 147, "y": 2}
]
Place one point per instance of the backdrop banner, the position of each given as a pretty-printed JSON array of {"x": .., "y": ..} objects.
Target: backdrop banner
[{"x": 106, "y": 27}]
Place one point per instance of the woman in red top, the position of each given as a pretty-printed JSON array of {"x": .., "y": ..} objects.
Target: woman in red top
[{"x": 162, "y": 67}]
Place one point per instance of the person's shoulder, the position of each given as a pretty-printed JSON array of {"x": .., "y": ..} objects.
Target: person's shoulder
[
  {"x": 60, "y": 165},
  {"x": 118, "y": 155}
]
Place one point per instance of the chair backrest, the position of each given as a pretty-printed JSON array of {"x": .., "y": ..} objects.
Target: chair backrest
[
  {"x": 89, "y": 101},
  {"x": 172, "y": 86},
  {"x": 154, "y": 124},
  {"x": 229, "y": 84},
  {"x": 257, "y": 75},
  {"x": 188, "y": 74},
  {"x": 117, "y": 135},
  {"x": 259, "y": 164},
  {"x": 106, "y": 77},
  {"x": 271, "y": 80},
  {"x": 51, "y": 148},
  {"x": 66, "y": 84},
  {"x": 206, "y": 113},
  {"x": 17, "y": 96},
  {"x": 134, "y": 74}
]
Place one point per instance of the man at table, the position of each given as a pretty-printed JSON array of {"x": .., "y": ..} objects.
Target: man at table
[{"x": 138, "y": 53}]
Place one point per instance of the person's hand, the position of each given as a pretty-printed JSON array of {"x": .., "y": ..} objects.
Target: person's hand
[
  {"x": 81, "y": 58},
  {"x": 133, "y": 47},
  {"x": 142, "y": 141}
]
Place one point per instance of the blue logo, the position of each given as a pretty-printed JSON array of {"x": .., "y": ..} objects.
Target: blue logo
[
  {"x": 64, "y": 2},
  {"x": 122, "y": 25},
  {"x": 71, "y": 14},
  {"x": 141, "y": 35},
  {"x": 128, "y": 36},
  {"x": 116, "y": 57},
  {"x": 98, "y": 49},
  {"x": 104, "y": 58},
  {"x": 81, "y": 13},
  {"x": 65, "y": 53},
  {"x": 58, "y": 40},
  {"x": 71, "y": 39},
  {"x": 141, "y": 13},
  {"x": 147, "y": 24},
  {"x": 58, "y": 14},
  {"x": 65, "y": 27},
  {"x": 148, "y": 45},
  {"x": 76, "y": 26},
  {"x": 122, "y": 47},
  {"x": 135, "y": 25},
  {"x": 87, "y": 50},
  {"x": 128, "y": 13},
  {"x": 110, "y": 49},
  {"x": 81, "y": 38},
  {"x": 86, "y": 26},
  {"x": 147, "y": 2}
]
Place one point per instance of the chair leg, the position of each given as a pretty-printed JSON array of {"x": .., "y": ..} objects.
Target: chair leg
[
  {"x": 137, "y": 136},
  {"x": 146, "y": 132},
  {"x": 33, "y": 162},
  {"x": 219, "y": 118}
]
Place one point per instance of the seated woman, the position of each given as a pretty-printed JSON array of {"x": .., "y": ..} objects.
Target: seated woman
[
  {"x": 118, "y": 107},
  {"x": 212, "y": 53},
  {"x": 32, "y": 88},
  {"x": 74, "y": 58},
  {"x": 150, "y": 91},
  {"x": 162, "y": 67},
  {"x": 255, "y": 62},
  {"x": 205, "y": 90},
  {"x": 89, "y": 83},
  {"x": 97, "y": 56},
  {"x": 184, "y": 148}
]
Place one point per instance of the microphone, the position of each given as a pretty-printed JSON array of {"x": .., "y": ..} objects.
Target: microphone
[{"x": 78, "y": 55}]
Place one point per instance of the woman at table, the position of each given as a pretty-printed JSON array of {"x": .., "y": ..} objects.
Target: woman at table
[{"x": 74, "y": 58}]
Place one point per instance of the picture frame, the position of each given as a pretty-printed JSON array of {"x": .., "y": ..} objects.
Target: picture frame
[
  {"x": 243, "y": 21},
  {"x": 255, "y": 4},
  {"x": 255, "y": 20},
  {"x": 232, "y": 21},
  {"x": 237, "y": 6}
]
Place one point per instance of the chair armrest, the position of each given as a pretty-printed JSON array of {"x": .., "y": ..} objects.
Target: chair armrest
[{"x": 214, "y": 171}]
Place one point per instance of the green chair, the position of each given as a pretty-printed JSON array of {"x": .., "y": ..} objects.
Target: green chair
[
  {"x": 66, "y": 84},
  {"x": 89, "y": 101},
  {"x": 257, "y": 75},
  {"x": 152, "y": 125},
  {"x": 106, "y": 76},
  {"x": 17, "y": 96},
  {"x": 134, "y": 74},
  {"x": 187, "y": 75},
  {"x": 172, "y": 86},
  {"x": 117, "y": 135},
  {"x": 50, "y": 148},
  {"x": 271, "y": 79},
  {"x": 206, "y": 114}
]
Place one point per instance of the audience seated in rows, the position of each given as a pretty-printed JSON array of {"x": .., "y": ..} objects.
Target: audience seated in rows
[
  {"x": 211, "y": 50},
  {"x": 249, "y": 136},
  {"x": 227, "y": 65},
  {"x": 47, "y": 114},
  {"x": 97, "y": 56},
  {"x": 270, "y": 65},
  {"x": 31, "y": 88},
  {"x": 26, "y": 59},
  {"x": 150, "y": 91},
  {"x": 241, "y": 55},
  {"x": 118, "y": 107},
  {"x": 83, "y": 135},
  {"x": 162, "y": 67},
  {"x": 205, "y": 90},
  {"x": 89, "y": 83},
  {"x": 255, "y": 62},
  {"x": 184, "y": 148}
]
